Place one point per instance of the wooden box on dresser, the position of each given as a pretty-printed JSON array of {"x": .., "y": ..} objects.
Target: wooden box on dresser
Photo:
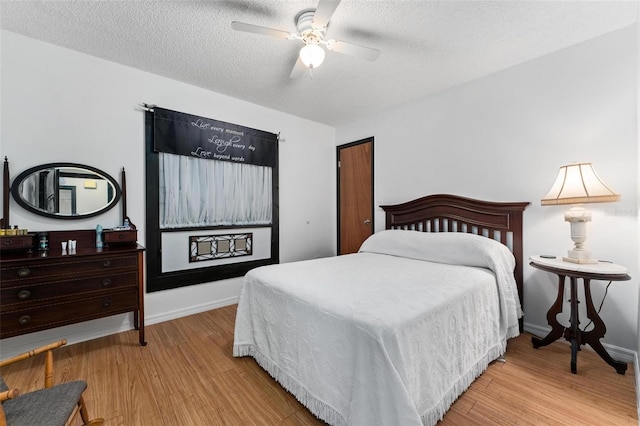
[{"x": 40, "y": 290}]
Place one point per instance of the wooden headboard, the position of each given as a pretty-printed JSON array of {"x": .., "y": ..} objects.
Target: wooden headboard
[{"x": 451, "y": 213}]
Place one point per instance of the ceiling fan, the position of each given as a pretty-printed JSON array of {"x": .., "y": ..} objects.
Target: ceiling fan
[{"x": 312, "y": 25}]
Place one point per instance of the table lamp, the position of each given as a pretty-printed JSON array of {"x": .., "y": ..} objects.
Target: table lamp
[{"x": 578, "y": 184}]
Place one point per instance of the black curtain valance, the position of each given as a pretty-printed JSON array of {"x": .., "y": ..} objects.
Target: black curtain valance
[{"x": 185, "y": 134}]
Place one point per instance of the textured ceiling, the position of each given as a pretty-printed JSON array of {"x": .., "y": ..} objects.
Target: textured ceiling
[{"x": 427, "y": 46}]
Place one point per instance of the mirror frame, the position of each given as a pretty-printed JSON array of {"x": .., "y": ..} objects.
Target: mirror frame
[{"x": 22, "y": 176}]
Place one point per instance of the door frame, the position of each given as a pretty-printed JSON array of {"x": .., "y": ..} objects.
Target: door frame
[{"x": 349, "y": 145}]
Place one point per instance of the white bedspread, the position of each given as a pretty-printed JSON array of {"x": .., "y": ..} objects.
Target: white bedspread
[{"x": 378, "y": 339}]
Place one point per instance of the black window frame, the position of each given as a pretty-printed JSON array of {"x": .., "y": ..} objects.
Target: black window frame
[{"x": 158, "y": 280}]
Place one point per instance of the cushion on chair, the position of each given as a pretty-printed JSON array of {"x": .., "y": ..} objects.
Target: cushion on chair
[{"x": 44, "y": 407}]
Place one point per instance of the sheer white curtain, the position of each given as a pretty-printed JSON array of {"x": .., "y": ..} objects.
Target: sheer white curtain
[{"x": 197, "y": 192}]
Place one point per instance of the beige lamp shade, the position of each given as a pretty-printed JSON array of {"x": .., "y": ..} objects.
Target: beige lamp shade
[{"x": 578, "y": 184}]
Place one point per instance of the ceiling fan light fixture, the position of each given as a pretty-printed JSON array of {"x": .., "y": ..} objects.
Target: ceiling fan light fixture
[
  {"x": 311, "y": 26},
  {"x": 312, "y": 55}
]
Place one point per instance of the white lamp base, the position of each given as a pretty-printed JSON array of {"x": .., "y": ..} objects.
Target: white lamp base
[{"x": 578, "y": 217}]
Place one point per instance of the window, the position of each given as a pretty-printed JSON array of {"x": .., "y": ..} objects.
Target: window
[{"x": 207, "y": 180}]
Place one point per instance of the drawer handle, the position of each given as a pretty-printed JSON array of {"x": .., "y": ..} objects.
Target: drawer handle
[
  {"x": 106, "y": 303},
  {"x": 24, "y": 294},
  {"x": 106, "y": 282},
  {"x": 106, "y": 263},
  {"x": 121, "y": 236},
  {"x": 24, "y": 272},
  {"x": 7, "y": 241},
  {"x": 25, "y": 319}
]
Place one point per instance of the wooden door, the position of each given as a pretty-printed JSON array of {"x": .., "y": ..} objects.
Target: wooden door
[{"x": 355, "y": 194}]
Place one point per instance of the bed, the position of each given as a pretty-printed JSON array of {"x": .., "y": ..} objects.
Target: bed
[{"x": 393, "y": 334}]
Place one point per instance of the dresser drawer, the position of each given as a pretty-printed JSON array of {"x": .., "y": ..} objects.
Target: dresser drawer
[
  {"x": 23, "y": 294},
  {"x": 122, "y": 236},
  {"x": 17, "y": 242},
  {"x": 57, "y": 314},
  {"x": 69, "y": 268},
  {"x": 49, "y": 289}
]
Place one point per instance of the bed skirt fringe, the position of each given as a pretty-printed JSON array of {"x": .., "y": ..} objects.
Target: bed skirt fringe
[
  {"x": 318, "y": 408},
  {"x": 435, "y": 414},
  {"x": 331, "y": 416},
  {"x": 513, "y": 331}
]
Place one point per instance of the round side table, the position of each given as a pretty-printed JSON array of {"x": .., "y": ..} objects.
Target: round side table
[{"x": 587, "y": 272}]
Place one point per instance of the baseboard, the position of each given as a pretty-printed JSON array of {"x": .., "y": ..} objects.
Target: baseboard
[
  {"x": 191, "y": 310},
  {"x": 616, "y": 352}
]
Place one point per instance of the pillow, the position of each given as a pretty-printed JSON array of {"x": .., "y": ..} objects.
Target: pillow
[{"x": 456, "y": 248}]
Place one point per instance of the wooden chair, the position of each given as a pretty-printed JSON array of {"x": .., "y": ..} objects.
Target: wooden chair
[{"x": 52, "y": 405}]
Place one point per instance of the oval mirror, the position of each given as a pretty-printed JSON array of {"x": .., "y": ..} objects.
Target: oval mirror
[{"x": 65, "y": 190}]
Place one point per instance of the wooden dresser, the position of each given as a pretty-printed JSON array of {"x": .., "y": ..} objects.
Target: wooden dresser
[{"x": 43, "y": 290}]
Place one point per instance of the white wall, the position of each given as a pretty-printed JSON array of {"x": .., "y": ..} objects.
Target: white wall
[
  {"x": 503, "y": 138},
  {"x": 61, "y": 105}
]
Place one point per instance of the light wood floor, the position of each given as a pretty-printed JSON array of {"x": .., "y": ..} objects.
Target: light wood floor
[{"x": 187, "y": 376}]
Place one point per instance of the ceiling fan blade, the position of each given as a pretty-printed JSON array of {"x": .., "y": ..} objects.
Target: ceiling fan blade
[
  {"x": 354, "y": 50},
  {"x": 298, "y": 69},
  {"x": 323, "y": 12},
  {"x": 257, "y": 29}
]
